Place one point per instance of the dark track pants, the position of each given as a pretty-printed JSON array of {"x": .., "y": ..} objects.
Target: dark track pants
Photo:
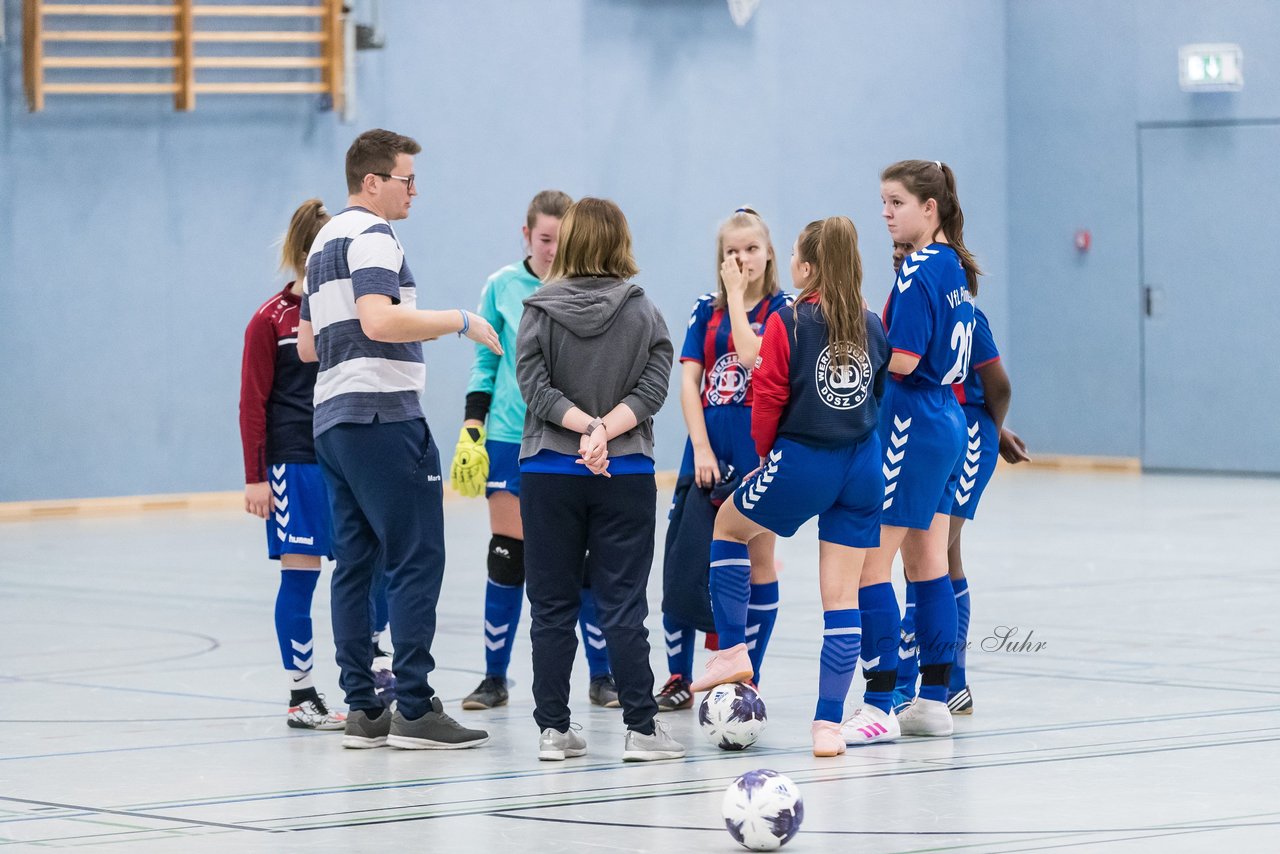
[
  {"x": 387, "y": 498},
  {"x": 613, "y": 519}
]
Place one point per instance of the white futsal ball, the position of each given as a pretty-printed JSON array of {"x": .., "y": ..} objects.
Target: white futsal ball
[
  {"x": 732, "y": 716},
  {"x": 762, "y": 810}
]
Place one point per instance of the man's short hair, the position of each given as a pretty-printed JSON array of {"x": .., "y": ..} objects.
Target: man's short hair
[{"x": 374, "y": 151}]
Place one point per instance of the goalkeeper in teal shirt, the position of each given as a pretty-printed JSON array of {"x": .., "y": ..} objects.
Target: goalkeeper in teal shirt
[{"x": 488, "y": 460}]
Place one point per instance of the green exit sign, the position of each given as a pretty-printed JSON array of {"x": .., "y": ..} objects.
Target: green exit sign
[{"x": 1211, "y": 68}]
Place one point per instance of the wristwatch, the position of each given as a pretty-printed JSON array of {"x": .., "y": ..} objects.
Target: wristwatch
[{"x": 591, "y": 428}]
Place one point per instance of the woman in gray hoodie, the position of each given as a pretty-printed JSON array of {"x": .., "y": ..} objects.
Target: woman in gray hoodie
[{"x": 593, "y": 363}]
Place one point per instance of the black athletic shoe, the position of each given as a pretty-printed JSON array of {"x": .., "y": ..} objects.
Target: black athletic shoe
[
  {"x": 961, "y": 702},
  {"x": 604, "y": 693},
  {"x": 675, "y": 695},
  {"x": 490, "y": 693}
]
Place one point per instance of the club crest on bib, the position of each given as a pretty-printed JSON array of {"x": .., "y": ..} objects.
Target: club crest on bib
[
  {"x": 727, "y": 381},
  {"x": 843, "y": 386}
]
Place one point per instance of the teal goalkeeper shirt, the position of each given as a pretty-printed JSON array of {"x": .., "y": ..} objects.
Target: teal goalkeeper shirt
[{"x": 502, "y": 304}]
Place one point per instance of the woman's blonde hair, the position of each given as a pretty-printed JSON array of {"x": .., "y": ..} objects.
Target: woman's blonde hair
[
  {"x": 745, "y": 217},
  {"x": 594, "y": 241},
  {"x": 831, "y": 246},
  {"x": 306, "y": 223}
]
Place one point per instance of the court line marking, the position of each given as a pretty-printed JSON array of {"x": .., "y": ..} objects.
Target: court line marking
[{"x": 132, "y": 814}]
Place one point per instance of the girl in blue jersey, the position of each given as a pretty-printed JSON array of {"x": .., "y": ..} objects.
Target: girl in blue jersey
[
  {"x": 929, "y": 322},
  {"x": 487, "y": 460},
  {"x": 984, "y": 397},
  {"x": 818, "y": 382},
  {"x": 720, "y": 349}
]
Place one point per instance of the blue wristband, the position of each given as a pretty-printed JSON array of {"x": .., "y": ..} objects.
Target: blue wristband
[{"x": 466, "y": 323}]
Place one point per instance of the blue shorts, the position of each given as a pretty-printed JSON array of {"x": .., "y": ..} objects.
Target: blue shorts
[
  {"x": 843, "y": 487},
  {"x": 300, "y": 522},
  {"x": 729, "y": 432},
  {"x": 974, "y": 470},
  {"x": 922, "y": 433},
  {"x": 504, "y": 467}
]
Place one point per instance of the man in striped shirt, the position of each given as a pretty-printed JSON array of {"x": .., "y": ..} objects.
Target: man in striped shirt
[{"x": 360, "y": 320}]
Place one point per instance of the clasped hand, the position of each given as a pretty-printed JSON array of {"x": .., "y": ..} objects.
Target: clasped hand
[{"x": 593, "y": 449}]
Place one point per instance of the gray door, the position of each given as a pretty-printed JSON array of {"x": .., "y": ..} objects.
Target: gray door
[{"x": 1211, "y": 269}]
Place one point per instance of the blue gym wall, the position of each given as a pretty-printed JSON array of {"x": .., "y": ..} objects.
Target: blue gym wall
[
  {"x": 137, "y": 241},
  {"x": 1082, "y": 75}
]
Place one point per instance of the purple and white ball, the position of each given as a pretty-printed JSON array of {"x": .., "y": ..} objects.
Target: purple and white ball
[
  {"x": 762, "y": 810},
  {"x": 732, "y": 716}
]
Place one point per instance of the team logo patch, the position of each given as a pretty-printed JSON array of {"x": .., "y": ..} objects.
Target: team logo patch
[
  {"x": 846, "y": 386},
  {"x": 727, "y": 381}
]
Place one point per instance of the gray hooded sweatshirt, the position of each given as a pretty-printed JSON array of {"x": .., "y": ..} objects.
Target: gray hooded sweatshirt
[{"x": 593, "y": 343}]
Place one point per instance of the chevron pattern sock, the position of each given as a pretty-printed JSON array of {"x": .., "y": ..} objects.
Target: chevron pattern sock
[
  {"x": 762, "y": 613},
  {"x": 841, "y": 641},
  {"x": 679, "y": 638},
  {"x": 502, "y": 605},
  {"x": 908, "y": 647},
  {"x": 293, "y": 624},
  {"x": 593, "y": 646}
]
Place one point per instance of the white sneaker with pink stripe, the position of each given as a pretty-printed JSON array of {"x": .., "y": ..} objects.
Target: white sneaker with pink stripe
[{"x": 869, "y": 725}]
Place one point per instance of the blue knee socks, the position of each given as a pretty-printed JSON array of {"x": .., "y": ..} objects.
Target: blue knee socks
[
  {"x": 293, "y": 624},
  {"x": 593, "y": 646},
  {"x": 730, "y": 591},
  {"x": 908, "y": 647},
  {"x": 936, "y": 629},
  {"x": 680, "y": 639},
  {"x": 762, "y": 613},
  {"x": 502, "y": 605},
  {"x": 958, "y": 677},
  {"x": 880, "y": 628},
  {"x": 841, "y": 640}
]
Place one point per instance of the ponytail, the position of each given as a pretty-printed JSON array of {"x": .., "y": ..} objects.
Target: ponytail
[
  {"x": 933, "y": 179},
  {"x": 831, "y": 246},
  {"x": 306, "y": 223}
]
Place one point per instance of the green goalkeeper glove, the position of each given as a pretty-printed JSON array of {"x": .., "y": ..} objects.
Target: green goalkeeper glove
[{"x": 470, "y": 469}]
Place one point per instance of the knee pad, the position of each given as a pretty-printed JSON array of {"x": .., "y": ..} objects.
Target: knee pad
[{"x": 506, "y": 561}]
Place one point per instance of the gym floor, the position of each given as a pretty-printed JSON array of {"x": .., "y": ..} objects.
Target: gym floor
[{"x": 142, "y": 705}]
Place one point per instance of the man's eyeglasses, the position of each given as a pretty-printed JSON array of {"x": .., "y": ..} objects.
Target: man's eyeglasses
[{"x": 408, "y": 179}]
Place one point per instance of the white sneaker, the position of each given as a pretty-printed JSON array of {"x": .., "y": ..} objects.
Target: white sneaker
[
  {"x": 556, "y": 746},
  {"x": 645, "y": 748},
  {"x": 926, "y": 717},
  {"x": 312, "y": 713},
  {"x": 869, "y": 725}
]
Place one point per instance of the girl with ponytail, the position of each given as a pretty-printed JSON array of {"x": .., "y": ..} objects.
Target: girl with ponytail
[
  {"x": 283, "y": 484},
  {"x": 929, "y": 322},
  {"x": 818, "y": 382}
]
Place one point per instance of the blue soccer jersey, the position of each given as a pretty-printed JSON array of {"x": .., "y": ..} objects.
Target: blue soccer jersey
[
  {"x": 709, "y": 342},
  {"x": 929, "y": 314},
  {"x": 984, "y": 352}
]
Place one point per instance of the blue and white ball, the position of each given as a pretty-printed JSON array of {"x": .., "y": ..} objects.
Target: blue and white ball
[
  {"x": 732, "y": 716},
  {"x": 762, "y": 810}
]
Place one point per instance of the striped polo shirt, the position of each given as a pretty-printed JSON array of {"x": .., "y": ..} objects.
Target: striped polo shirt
[{"x": 360, "y": 380}]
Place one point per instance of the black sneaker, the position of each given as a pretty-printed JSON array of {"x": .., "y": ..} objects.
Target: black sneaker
[
  {"x": 433, "y": 731},
  {"x": 604, "y": 693},
  {"x": 491, "y": 692},
  {"x": 675, "y": 695},
  {"x": 961, "y": 702}
]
